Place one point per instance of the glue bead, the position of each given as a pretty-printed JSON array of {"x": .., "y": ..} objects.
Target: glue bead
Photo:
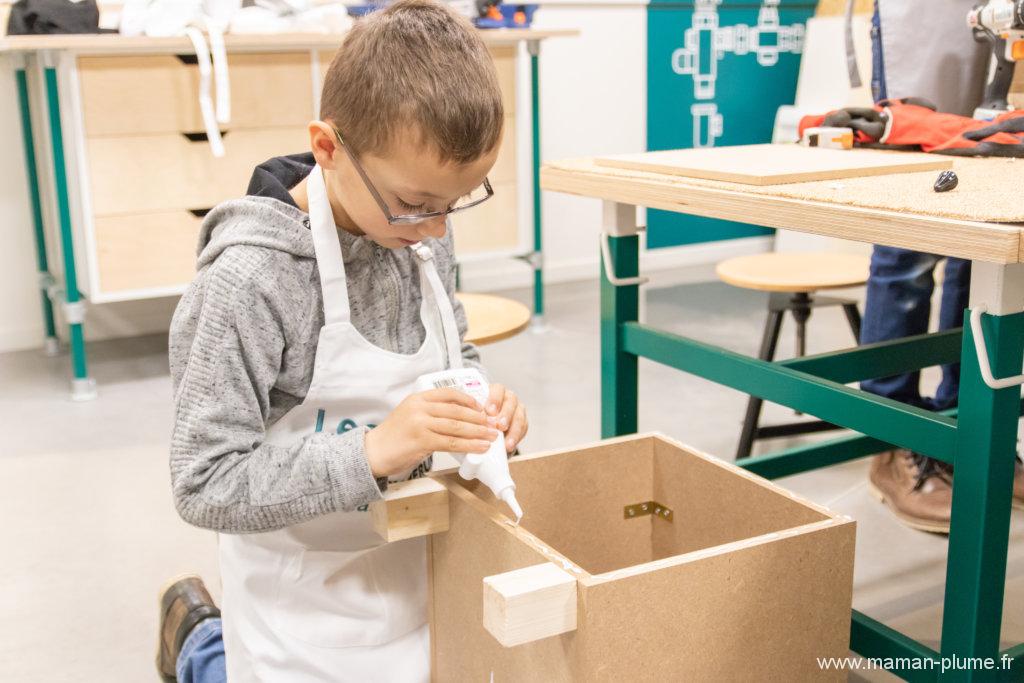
[{"x": 946, "y": 181}]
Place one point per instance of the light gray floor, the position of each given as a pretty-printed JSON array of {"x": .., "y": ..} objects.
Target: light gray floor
[{"x": 89, "y": 533}]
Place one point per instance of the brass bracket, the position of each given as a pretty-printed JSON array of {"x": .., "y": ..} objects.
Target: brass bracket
[{"x": 649, "y": 507}]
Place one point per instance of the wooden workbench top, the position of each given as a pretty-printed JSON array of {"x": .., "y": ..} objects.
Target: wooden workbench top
[
  {"x": 113, "y": 44},
  {"x": 858, "y": 209}
]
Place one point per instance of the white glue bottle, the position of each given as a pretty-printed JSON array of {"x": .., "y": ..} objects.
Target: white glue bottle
[{"x": 491, "y": 468}]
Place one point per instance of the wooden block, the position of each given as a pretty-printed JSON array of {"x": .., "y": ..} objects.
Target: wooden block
[
  {"x": 529, "y": 604},
  {"x": 417, "y": 507},
  {"x": 776, "y": 164}
]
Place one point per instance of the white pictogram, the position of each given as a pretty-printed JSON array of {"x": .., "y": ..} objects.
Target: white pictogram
[{"x": 706, "y": 42}]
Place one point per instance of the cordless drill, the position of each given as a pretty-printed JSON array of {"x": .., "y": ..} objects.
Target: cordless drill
[{"x": 1000, "y": 23}]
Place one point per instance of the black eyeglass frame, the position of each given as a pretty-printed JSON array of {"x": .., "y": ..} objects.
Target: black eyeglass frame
[{"x": 406, "y": 219}]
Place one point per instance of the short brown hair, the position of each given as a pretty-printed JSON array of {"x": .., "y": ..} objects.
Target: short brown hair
[{"x": 415, "y": 63}]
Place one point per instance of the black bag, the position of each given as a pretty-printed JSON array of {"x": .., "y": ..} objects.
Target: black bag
[{"x": 37, "y": 17}]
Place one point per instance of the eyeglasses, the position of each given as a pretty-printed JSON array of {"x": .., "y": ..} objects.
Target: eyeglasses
[{"x": 478, "y": 196}]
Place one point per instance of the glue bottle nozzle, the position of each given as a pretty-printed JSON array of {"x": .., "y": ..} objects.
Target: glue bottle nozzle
[{"x": 508, "y": 495}]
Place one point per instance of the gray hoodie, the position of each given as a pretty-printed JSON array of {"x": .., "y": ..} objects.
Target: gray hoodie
[{"x": 242, "y": 343}]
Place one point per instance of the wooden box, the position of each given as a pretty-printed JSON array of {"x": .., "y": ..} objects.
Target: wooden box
[{"x": 723, "y": 576}]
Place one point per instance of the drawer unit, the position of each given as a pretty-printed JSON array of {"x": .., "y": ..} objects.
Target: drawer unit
[{"x": 145, "y": 173}]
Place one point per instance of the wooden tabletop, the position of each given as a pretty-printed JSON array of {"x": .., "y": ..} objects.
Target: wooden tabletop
[
  {"x": 112, "y": 43},
  {"x": 492, "y": 318},
  {"x": 975, "y": 240}
]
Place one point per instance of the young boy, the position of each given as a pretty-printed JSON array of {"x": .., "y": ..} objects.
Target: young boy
[{"x": 294, "y": 356}]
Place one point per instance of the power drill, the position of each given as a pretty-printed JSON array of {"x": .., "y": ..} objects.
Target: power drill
[{"x": 1001, "y": 23}]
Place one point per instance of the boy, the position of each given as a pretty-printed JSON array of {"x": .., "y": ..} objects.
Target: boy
[{"x": 295, "y": 352}]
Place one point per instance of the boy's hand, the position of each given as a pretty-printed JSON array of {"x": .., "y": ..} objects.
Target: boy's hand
[
  {"x": 436, "y": 420},
  {"x": 505, "y": 412}
]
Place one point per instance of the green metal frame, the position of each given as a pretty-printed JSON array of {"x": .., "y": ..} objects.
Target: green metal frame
[
  {"x": 980, "y": 439},
  {"x": 32, "y": 174},
  {"x": 538, "y": 241},
  {"x": 71, "y": 293}
]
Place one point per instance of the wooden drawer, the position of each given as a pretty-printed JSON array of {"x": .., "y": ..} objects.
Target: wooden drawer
[
  {"x": 146, "y": 251},
  {"x": 150, "y": 173},
  {"x": 492, "y": 226},
  {"x": 159, "y": 94}
]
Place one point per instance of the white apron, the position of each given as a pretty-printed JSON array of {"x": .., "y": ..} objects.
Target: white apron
[{"x": 327, "y": 600}]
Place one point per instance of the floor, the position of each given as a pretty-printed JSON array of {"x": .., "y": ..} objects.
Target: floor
[{"x": 90, "y": 533}]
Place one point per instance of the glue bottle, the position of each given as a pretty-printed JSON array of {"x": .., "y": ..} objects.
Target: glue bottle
[{"x": 491, "y": 468}]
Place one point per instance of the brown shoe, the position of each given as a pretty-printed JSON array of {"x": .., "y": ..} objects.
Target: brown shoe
[
  {"x": 184, "y": 602},
  {"x": 918, "y": 490}
]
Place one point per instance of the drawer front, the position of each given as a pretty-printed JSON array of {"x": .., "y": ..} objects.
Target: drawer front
[
  {"x": 146, "y": 251},
  {"x": 159, "y": 94},
  {"x": 146, "y": 174},
  {"x": 492, "y": 226}
]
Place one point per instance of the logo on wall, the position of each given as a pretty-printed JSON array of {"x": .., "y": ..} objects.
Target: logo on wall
[{"x": 706, "y": 42}]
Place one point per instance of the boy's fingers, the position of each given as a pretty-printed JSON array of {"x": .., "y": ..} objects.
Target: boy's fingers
[
  {"x": 451, "y": 396},
  {"x": 454, "y": 444},
  {"x": 444, "y": 426},
  {"x": 517, "y": 431},
  {"x": 456, "y": 412},
  {"x": 495, "y": 399},
  {"x": 508, "y": 410}
]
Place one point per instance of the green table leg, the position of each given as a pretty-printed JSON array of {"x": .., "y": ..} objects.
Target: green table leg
[
  {"x": 536, "y": 258},
  {"x": 45, "y": 279},
  {"x": 986, "y": 443},
  {"x": 619, "y": 305},
  {"x": 82, "y": 387}
]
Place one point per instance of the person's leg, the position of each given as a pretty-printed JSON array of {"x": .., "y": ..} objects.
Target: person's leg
[
  {"x": 955, "y": 293},
  {"x": 899, "y": 291},
  {"x": 190, "y": 645},
  {"x": 201, "y": 659}
]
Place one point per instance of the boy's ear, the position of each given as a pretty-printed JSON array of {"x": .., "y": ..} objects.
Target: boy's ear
[{"x": 324, "y": 144}]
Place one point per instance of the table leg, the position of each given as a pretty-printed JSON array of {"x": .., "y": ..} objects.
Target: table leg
[
  {"x": 984, "y": 464},
  {"x": 619, "y": 305},
  {"x": 52, "y": 346},
  {"x": 536, "y": 258},
  {"x": 83, "y": 388}
]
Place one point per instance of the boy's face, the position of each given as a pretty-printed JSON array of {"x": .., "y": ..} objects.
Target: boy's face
[{"x": 410, "y": 179}]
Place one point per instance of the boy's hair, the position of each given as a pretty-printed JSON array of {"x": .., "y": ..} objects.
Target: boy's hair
[{"x": 415, "y": 64}]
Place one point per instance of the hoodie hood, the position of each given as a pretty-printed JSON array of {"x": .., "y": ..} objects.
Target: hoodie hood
[{"x": 266, "y": 217}]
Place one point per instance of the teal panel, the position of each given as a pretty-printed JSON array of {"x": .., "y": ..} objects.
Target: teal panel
[{"x": 717, "y": 59}]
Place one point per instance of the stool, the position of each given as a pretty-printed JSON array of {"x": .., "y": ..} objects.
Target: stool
[
  {"x": 492, "y": 318},
  {"x": 791, "y": 279}
]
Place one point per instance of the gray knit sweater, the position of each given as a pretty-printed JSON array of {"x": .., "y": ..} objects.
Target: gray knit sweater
[{"x": 242, "y": 344}]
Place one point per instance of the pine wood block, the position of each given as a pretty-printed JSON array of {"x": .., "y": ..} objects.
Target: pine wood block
[
  {"x": 413, "y": 508},
  {"x": 776, "y": 164},
  {"x": 528, "y": 604}
]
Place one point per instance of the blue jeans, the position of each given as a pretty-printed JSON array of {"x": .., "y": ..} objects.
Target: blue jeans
[
  {"x": 900, "y": 287},
  {"x": 201, "y": 659},
  {"x": 899, "y": 292}
]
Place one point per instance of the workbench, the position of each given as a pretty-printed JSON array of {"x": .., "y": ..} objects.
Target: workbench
[
  {"x": 131, "y": 177},
  {"x": 980, "y": 439}
]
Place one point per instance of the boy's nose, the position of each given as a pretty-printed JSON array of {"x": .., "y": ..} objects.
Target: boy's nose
[{"x": 435, "y": 227}]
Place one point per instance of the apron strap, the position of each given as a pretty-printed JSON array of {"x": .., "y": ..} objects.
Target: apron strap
[
  {"x": 449, "y": 329},
  {"x": 327, "y": 247}
]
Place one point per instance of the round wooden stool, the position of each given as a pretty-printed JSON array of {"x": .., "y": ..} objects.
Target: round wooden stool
[
  {"x": 492, "y": 318},
  {"x": 791, "y": 279}
]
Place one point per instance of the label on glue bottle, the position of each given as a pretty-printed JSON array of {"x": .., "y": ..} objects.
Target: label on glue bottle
[{"x": 491, "y": 468}]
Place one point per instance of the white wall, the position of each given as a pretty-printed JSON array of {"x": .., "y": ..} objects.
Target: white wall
[{"x": 593, "y": 90}]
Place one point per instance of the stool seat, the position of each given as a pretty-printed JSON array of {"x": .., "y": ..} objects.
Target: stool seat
[
  {"x": 492, "y": 318},
  {"x": 794, "y": 272}
]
